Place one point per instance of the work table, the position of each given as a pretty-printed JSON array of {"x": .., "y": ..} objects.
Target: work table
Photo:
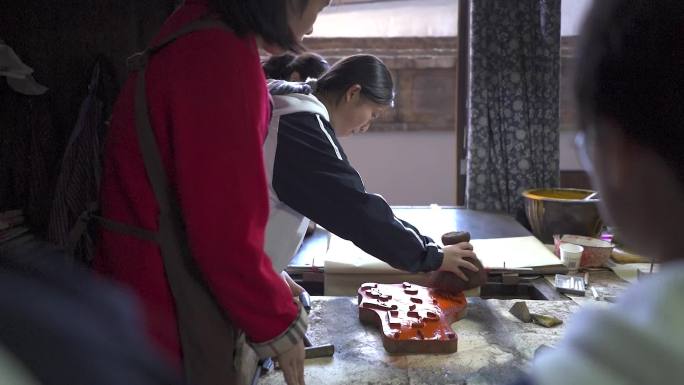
[
  {"x": 308, "y": 265},
  {"x": 493, "y": 346}
]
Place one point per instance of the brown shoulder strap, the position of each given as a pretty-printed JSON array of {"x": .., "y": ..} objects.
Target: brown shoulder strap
[
  {"x": 207, "y": 337},
  {"x": 138, "y": 61}
]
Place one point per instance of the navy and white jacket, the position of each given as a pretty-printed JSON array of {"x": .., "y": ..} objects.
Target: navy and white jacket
[{"x": 310, "y": 177}]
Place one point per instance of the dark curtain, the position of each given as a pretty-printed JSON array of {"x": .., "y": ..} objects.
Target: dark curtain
[
  {"x": 27, "y": 155},
  {"x": 513, "y": 122}
]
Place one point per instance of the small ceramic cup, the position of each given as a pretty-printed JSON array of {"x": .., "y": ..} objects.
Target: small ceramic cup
[{"x": 571, "y": 255}]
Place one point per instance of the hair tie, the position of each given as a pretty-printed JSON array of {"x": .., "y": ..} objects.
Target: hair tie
[{"x": 313, "y": 83}]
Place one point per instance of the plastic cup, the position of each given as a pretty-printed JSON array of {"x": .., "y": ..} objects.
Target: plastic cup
[{"x": 571, "y": 255}]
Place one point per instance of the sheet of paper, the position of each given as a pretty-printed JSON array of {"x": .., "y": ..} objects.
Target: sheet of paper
[
  {"x": 344, "y": 257},
  {"x": 515, "y": 252},
  {"x": 628, "y": 271}
]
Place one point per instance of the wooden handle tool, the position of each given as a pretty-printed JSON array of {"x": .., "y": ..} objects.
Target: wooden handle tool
[{"x": 449, "y": 283}]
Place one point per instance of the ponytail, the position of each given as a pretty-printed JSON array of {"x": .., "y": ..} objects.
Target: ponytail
[{"x": 368, "y": 71}]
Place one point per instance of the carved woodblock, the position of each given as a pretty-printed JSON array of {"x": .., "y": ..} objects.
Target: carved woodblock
[{"x": 413, "y": 319}]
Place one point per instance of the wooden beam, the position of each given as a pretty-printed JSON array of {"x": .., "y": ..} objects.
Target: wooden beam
[{"x": 462, "y": 98}]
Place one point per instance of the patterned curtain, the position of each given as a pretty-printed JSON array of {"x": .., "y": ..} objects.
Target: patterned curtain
[{"x": 513, "y": 122}]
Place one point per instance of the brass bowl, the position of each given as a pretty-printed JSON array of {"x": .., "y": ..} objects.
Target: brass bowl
[{"x": 562, "y": 211}]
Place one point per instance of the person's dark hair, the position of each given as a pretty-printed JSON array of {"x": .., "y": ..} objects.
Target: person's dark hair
[
  {"x": 307, "y": 65},
  {"x": 278, "y": 66},
  {"x": 365, "y": 70},
  {"x": 266, "y": 18},
  {"x": 630, "y": 70}
]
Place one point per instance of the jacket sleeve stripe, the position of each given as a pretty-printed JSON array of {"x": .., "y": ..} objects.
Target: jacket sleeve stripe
[
  {"x": 327, "y": 135},
  {"x": 411, "y": 230}
]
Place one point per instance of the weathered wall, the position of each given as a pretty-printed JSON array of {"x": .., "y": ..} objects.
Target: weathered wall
[
  {"x": 424, "y": 71},
  {"x": 60, "y": 40},
  {"x": 409, "y": 155}
]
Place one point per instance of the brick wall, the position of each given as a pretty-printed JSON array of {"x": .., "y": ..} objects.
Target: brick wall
[{"x": 425, "y": 73}]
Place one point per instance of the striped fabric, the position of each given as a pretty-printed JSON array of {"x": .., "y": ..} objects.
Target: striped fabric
[
  {"x": 79, "y": 177},
  {"x": 286, "y": 340}
]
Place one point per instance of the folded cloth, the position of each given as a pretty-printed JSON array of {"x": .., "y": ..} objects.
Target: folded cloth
[
  {"x": 283, "y": 87},
  {"x": 27, "y": 86},
  {"x": 18, "y": 74},
  {"x": 11, "y": 65}
]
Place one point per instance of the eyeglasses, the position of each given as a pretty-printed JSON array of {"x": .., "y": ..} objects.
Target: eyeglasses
[{"x": 582, "y": 145}]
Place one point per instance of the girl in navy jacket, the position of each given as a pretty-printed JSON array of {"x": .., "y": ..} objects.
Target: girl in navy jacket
[{"x": 311, "y": 178}]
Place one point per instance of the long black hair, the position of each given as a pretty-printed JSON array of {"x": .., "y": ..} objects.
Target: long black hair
[
  {"x": 368, "y": 71},
  {"x": 266, "y": 18},
  {"x": 307, "y": 65}
]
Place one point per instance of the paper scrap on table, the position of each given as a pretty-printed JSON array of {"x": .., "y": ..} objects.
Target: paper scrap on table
[
  {"x": 344, "y": 257},
  {"x": 628, "y": 271}
]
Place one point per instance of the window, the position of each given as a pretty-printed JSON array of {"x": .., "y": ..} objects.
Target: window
[{"x": 409, "y": 155}]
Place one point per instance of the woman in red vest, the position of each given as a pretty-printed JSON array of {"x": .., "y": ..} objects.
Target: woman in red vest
[{"x": 209, "y": 109}]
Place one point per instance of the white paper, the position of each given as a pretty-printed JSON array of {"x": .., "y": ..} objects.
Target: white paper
[
  {"x": 628, "y": 271},
  {"x": 515, "y": 252},
  {"x": 344, "y": 257}
]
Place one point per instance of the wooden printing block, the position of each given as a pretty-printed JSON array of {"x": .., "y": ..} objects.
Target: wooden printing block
[
  {"x": 449, "y": 283},
  {"x": 413, "y": 319}
]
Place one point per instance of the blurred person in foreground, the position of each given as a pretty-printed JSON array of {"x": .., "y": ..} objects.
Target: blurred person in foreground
[
  {"x": 630, "y": 94},
  {"x": 60, "y": 325}
]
